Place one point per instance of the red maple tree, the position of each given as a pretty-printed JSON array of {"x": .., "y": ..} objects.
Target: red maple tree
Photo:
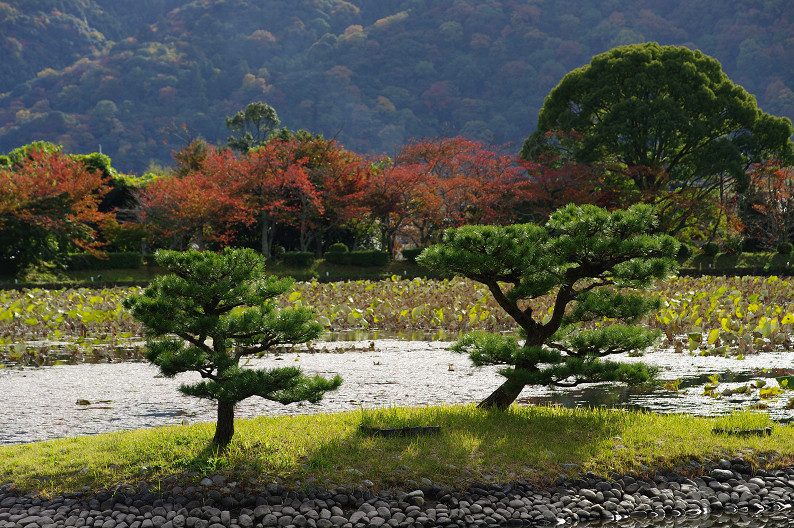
[
  {"x": 463, "y": 182},
  {"x": 769, "y": 204},
  {"x": 391, "y": 194},
  {"x": 276, "y": 189},
  {"x": 338, "y": 177},
  {"x": 201, "y": 207},
  {"x": 49, "y": 205}
]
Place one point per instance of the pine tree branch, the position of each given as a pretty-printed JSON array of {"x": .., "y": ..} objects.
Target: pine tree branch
[
  {"x": 196, "y": 343},
  {"x": 262, "y": 347},
  {"x": 206, "y": 373},
  {"x": 600, "y": 281},
  {"x": 561, "y": 348},
  {"x": 564, "y": 296},
  {"x": 223, "y": 308},
  {"x": 522, "y": 317}
]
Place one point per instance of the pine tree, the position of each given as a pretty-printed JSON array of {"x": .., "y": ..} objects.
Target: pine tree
[
  {"x": 221, "y": 307},
  {"x": 593, "y": 263}
]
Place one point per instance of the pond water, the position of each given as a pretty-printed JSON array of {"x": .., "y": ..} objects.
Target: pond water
[
  {"x": 735, "y": 385},
  {"x": 75, "y": 350},
  {"x": 88, "y": 398}
]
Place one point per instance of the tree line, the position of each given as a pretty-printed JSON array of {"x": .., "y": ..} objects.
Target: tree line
[{"x": 653, "y": 124}]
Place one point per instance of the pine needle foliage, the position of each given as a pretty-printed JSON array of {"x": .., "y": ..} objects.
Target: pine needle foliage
[
  {"x": 594, "y": 263},
  {"x": 211, "y": 310}
]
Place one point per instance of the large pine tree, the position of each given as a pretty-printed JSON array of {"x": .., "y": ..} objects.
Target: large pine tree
[{"x": 592, "y": 262}]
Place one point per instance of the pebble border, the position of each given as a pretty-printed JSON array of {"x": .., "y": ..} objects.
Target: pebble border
[{"x": 730, "y": 488}]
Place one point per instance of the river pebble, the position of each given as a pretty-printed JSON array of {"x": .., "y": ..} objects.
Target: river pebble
[{"x": 719, "y": 497}]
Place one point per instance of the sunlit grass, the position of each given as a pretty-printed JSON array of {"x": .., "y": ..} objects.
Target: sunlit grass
[
  {"x": 532, "y": 443},
  {"x": 743, "y": 420}
]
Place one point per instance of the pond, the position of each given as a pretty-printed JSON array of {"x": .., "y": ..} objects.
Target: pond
[
  {"x": 75, "y": 350},
  {"x": 89, "y": 398},
  {"x": 754, "y": 381}
]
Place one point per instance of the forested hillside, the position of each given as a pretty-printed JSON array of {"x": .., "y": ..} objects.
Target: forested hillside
[{"x": 127, "y": 74}]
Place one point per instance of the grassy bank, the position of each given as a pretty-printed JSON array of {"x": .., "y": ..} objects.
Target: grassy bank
[{"x": 532, "y": 443}]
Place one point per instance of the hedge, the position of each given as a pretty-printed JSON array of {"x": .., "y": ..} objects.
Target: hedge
[
  {"x": 362, "y": 258},
  {"x": 410, "y": 254},
  {"x": 119, "y": 260},
  {"x": 369, "y": 257},
  {"x": 684, "y": 251},
  {"x": 710, "y": 248},
  {"x": 298, "y": 259},
  {"x": 337, "y": 257}
]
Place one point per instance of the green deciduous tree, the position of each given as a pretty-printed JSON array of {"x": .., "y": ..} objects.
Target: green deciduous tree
[
  {"x": 209, "y": 312},
  {"x": 670, "y": 119},
  {"x": 591, "y": 263},
  {"x": 252, "y": 126}
]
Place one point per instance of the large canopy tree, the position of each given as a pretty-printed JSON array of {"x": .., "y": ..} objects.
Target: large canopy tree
[
  {"x": 252, "y": 126},
  {"x": 669, "y": 119},
  {"x": 588, "y": 266}
]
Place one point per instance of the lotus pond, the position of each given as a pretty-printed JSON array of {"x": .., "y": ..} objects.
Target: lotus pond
[{"x": 724, "y": 340}]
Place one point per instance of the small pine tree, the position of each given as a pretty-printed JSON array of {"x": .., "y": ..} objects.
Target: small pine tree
[
  {"x": 222, "y": 307},
  {"x": 593, "y": 263}
]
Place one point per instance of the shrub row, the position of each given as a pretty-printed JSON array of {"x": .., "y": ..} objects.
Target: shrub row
[
  {"x": 363, "y": 258},
  {"x": 711, "y": 249},
  {"x": 120, "y": 260},
  {"x": 337, "y": 254},
  {"x": 410, "y": 254},
  {"x": 298, "y": 259}
]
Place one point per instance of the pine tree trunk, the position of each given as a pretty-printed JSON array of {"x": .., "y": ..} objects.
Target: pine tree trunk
[
  {"x": 224, "y": 428},
  {"x": 503, "y": 396}
]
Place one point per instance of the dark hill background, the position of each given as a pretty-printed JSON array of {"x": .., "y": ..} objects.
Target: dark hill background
[{"x": 127, "y": 74}]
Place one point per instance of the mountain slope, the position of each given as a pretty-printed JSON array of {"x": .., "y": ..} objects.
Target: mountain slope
[{"x": 127, "y": 74}]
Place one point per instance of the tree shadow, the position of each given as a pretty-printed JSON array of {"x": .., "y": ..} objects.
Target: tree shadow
[{"x": 533, "y": 443}]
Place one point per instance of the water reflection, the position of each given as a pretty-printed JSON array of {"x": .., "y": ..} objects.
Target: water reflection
[
  {"x": 688, "y": 399},
  {"x": 404, "y": 335},
  {"x": 85, "y": 350}
]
